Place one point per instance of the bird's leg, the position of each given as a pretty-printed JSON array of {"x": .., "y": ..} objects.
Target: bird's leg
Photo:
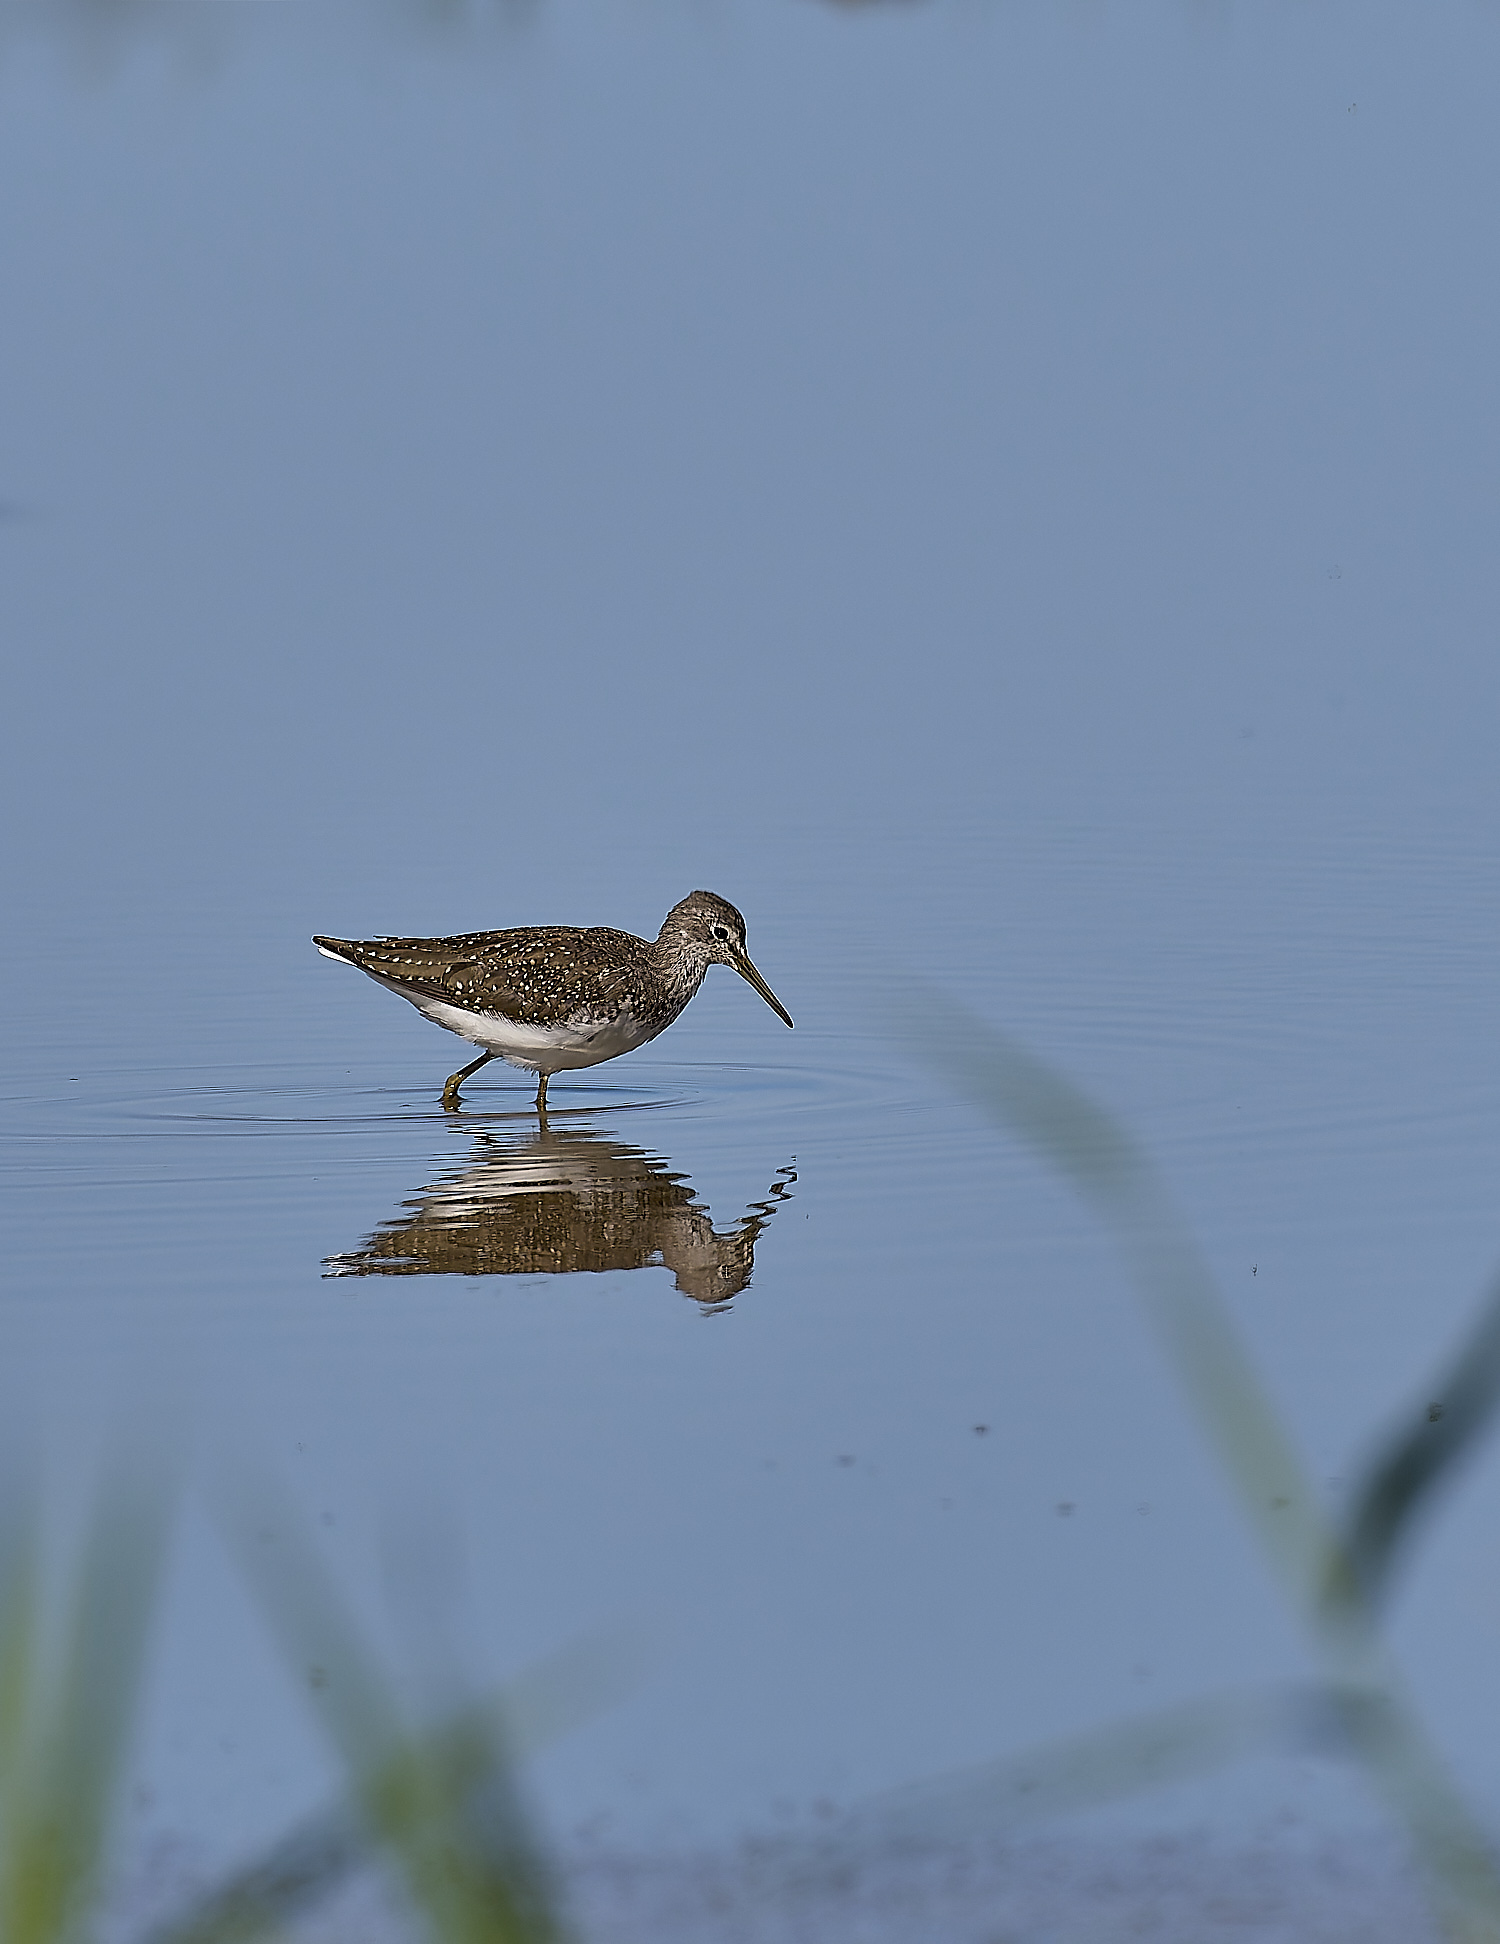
[
  {"x": 456, "y": 1080},
  {"x": 541, "y": 1094}
]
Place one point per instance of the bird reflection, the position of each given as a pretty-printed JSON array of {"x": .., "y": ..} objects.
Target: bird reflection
[{"x": 559, "y": 1204}]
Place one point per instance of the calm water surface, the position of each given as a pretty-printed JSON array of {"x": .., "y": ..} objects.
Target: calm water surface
[
  {"x": 767, "y": 1356},
  {"x": 1047, "y": 556}
]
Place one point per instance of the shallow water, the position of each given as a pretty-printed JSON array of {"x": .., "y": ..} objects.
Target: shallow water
[
  {"x": 561, "y": 472},
  {"x": 784, "y": 1371}
]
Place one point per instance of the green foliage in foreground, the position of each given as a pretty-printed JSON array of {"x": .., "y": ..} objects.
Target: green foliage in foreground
[
  {"x": 441, "y": 1805},
  {"x": 437, "y": 1801},
  {"x": 1334, "y": 1574},
  {"x": 70, "y": 1664}
]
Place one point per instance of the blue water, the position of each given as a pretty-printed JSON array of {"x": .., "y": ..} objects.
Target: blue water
[{"x": 997, "y": 494}]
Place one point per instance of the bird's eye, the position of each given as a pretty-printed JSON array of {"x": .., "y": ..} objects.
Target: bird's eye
[{"x": 719, "y": 932}]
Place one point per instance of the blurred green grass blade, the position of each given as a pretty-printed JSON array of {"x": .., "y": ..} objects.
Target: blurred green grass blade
[
  {"x": 1022, "y": 1094},
  {"x": 469, "y": 1856},
  {"x": 1400, "y": 1481},
  {"x": 443, "y": 1806},
  {"x": 1455, "y": 1852},
  {"x": 113, "y": 1609},
  {"x": 1106, "y": 1765},
  {"x": 80, "y": 1708},
  {"x": 292, "y": 1876},
  {"x": 314, "y": 1858},
  {"x": 321, "y": 1853},
  {"x": 20, "y": 1592},
  {"x": 317, "y": 1633}
]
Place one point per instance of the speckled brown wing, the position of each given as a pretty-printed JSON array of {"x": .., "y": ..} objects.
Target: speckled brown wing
[{"x": 537, "y": 975}]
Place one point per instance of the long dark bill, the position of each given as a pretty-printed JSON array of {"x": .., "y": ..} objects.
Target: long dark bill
[{"x": 748, "y": 972}]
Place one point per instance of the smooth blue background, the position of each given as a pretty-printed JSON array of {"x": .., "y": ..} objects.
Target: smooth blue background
[{"x": 1004, "y": 493}]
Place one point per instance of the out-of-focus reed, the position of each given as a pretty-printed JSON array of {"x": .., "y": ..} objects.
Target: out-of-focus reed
[
  {"x": 1334, "y": 1572},
  {"x": 73, "y": 1635},
  {"x": 436, "y": 1801},
  {"x": 436, "y": 1798}
]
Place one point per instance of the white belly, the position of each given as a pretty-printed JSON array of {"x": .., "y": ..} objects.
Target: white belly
[
  {"x": 540, "y": 1049},
  {"x": 577, "y": 1042}
]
